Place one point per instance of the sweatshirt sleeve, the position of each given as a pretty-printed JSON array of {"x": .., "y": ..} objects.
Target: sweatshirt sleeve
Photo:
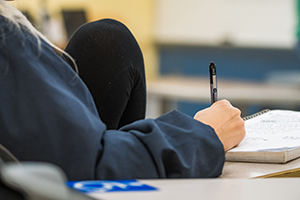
[{"x": 171, "y": 146}]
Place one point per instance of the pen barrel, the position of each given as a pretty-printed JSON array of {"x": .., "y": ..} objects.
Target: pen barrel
[
  {"x": 213, "y": 82},
  {"x": 214, "y": 95},
  {"x": 213, "y": 89}
]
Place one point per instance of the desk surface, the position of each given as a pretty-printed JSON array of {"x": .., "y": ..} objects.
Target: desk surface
[
  {"x": 197, "y": 89},
  {"x": 214, "y": 189}
]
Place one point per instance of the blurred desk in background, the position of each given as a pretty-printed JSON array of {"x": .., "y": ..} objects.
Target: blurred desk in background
[{"x": 165, "y": 92}]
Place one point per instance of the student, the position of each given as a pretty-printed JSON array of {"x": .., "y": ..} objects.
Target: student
[{"x": 48, "y": 113}]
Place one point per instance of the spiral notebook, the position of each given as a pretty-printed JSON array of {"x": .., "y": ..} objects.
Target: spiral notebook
[{"x": 272, "y": 136}]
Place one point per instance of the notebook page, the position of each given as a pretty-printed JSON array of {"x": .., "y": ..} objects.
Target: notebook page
[{"x": 275, "y": 130}]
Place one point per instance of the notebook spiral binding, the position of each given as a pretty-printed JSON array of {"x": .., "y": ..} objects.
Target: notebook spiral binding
[{"x": 256, "y": 114}]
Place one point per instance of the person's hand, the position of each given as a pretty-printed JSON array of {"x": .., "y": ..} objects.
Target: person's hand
[{"x": 226, "y": 121}]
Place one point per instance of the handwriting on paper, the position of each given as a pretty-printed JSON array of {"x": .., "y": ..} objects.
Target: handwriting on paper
[{"x": 275, "y": 129}]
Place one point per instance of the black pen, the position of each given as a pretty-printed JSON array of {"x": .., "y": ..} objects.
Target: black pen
[{"x": 213, "y": 82}]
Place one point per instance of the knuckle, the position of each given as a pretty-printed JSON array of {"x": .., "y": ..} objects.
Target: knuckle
[
  {"x": 224, "y": 102},
  {"x": 236, "y": 111}
]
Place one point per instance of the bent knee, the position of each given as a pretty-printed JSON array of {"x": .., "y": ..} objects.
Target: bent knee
[{"x": 106, "y": 27}]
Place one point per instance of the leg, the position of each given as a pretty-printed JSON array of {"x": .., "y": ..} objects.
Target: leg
[{"x": 111, "y": 64}]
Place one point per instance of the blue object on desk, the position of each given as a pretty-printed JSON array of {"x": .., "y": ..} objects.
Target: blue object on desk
[{"x": 109, "y": 186}]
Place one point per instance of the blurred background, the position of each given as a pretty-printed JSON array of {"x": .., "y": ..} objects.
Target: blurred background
[{"x": 253, "y": 43}]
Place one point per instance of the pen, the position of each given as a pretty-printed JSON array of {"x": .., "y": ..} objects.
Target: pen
[{"x": 213, "y": 82}]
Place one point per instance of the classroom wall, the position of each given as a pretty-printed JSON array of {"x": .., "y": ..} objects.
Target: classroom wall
[
  {"x": 156, "y": 23},
  {"x": 251, "y": 23}
]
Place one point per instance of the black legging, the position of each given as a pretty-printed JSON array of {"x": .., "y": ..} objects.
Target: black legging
[{"x": 111, "y": 64}]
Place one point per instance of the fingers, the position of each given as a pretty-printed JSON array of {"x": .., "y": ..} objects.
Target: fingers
[
  {"x": 232, "y": 131},
  {"x": 226, "y": 121}
]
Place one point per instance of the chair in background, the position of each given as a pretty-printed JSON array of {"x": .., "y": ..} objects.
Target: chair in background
[{"x": 33, "y": 180}]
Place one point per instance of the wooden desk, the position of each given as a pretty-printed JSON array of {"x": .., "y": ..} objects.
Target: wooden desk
[
  {"x": 213, "y": 189},
  {"x": 261, "y": 170},
  {"x": 172, "y": 89}
]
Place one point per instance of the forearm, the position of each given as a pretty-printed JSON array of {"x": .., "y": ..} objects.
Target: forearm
[{"x": 172, "y": 146}]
